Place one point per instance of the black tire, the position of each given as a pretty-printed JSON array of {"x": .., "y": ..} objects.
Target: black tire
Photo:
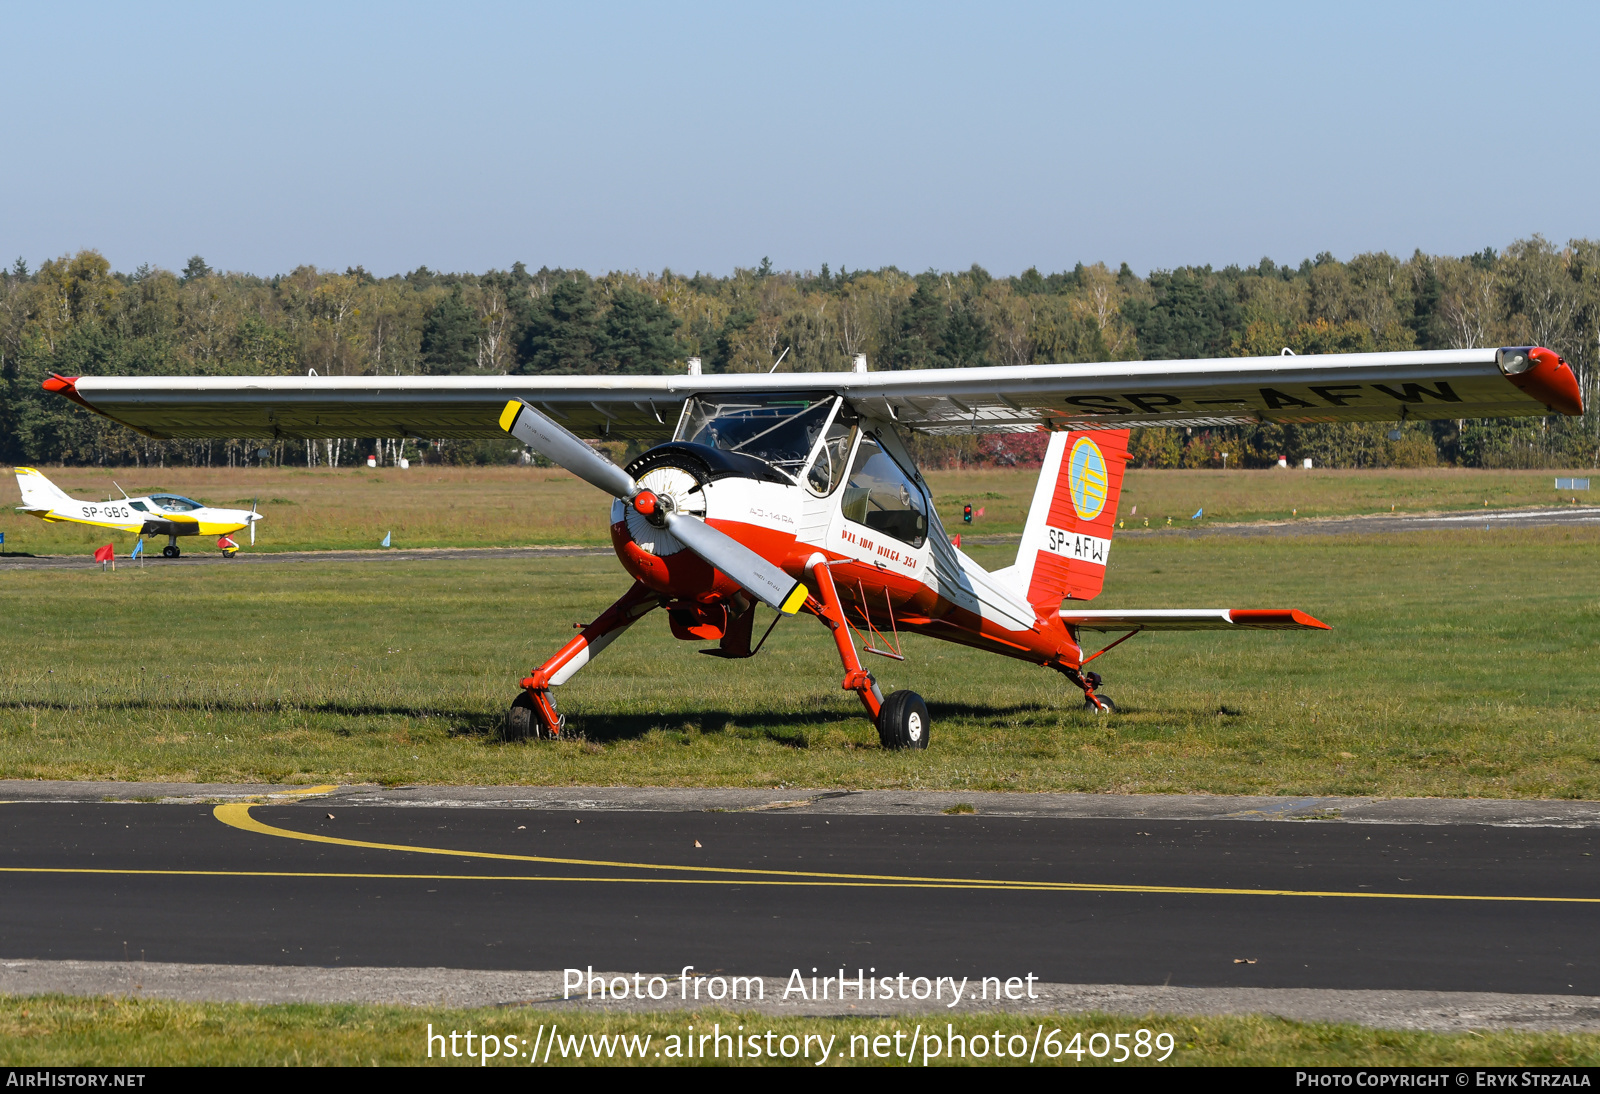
[
  {"x": 170, "y": 551},
  {"x": 1088, "y": 705},
  {"x": 522, "y": 721},
  {"x": 903, "y": 722}
]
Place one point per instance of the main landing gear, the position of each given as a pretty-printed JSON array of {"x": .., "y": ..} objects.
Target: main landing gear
[{"x": 902, "y": 718}]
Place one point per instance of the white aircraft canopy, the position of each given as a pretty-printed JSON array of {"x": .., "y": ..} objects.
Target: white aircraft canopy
[{"x": 1475, "y": 383}]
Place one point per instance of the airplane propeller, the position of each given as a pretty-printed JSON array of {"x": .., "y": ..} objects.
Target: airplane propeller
[
  {"x": 253, "y": 519},
  {"x": 763, "y": 580}
]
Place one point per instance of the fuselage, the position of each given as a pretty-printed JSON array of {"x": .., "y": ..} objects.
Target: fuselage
[{"x": 845, "y": 490}]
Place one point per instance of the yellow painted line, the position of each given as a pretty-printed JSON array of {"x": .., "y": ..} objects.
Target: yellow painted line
[
  {"x": 238, "y": 816},
  {"x": 326, "y": 788},
  {"x": 842, "y": 882}
]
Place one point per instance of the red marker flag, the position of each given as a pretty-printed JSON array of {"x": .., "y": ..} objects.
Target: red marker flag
[
  {"x": 104, "y": 554},
  {"x": 979, "y": 513}
]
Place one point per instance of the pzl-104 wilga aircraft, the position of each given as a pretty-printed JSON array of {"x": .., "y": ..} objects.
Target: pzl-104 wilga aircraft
[
  {"x": 167, "y": 515},
  {"x": 796, "y": 491}
]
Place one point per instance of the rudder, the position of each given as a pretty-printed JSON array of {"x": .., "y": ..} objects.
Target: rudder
[
  {"x": 38, "y": 492},
  {"x": 1067, "y": 539}
]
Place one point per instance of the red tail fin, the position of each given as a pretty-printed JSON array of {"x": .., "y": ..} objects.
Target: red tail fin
[{"x": 1067, "y": 539}]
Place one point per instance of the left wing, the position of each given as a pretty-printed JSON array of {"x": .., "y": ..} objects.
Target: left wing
[
  {"x": 1192, "y": 619},
  {"x": 1348, "y": 387}
]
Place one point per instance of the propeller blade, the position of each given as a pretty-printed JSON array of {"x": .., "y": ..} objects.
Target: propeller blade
[
  {"x": 536, "y": 430},
  {"x": 763, "y": 580},
  {"x": 253, "y": 519}
]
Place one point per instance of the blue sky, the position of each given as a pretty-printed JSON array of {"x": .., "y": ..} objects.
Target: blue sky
[{"x": 704, "y": 136}]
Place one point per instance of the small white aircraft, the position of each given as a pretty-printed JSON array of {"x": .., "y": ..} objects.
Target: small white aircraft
[{"x": 169, "y": 515}]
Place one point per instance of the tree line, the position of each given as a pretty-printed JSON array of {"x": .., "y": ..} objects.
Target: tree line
[{"x": 75, "y": 315}]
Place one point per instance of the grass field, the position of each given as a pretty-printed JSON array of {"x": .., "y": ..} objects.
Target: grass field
[
  {"x": 509, "y": 506},
  {"x": 1461, "y": 664},
  {"x": 132, "y": 1033}
]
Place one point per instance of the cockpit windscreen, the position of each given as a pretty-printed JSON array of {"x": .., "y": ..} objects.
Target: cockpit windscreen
[
  {"x": 172, "y": 503},
  {"x": 779, "y": 428}
]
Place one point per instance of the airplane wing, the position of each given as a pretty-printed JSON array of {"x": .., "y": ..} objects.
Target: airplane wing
[
  {"x": 1478, "y": 383},
  {"x": 1192, "y": 619}
]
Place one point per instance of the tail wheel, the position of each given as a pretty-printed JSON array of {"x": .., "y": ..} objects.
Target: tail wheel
[
  {"x": 1106, "y": 707},
  {"x": 903, "y": 722}
]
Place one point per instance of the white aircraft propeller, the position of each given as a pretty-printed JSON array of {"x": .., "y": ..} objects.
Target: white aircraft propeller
[
  {"x": 253, "y": 519},
  {"x": 763, "y": 580}
]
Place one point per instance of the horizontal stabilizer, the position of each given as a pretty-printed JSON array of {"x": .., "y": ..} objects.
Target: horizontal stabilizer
[{"x": 1193, "y": 619}]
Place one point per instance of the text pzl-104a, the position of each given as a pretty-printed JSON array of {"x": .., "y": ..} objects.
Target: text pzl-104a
[{"x": 796, "y": 491}]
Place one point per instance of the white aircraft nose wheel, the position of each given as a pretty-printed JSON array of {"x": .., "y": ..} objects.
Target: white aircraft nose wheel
[
  {"x": 169, "y": 552},
  {"x": 903, "y": 722}
]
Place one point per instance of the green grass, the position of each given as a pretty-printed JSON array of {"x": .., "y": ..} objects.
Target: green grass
[
  {"x": 130, "y": 1033},
  {"x": 1460, "y": 665},
  {"x": 347, "y": 508}
]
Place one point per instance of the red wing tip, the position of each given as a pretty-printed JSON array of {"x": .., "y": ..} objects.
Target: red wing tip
[
  {"x": 68, "y": 384},
  {"x": 1545, "y": 375},
  {"x": 1275, "y": 617}
]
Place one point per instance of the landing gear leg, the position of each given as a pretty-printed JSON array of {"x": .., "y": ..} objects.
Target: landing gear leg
[
  {"x": 534, "y": 713},
  {"x": 1089, "y": 681},
  {"x": 902, "y": 718}
]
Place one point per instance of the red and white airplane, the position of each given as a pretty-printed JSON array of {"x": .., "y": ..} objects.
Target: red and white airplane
[{"x": 796, "y": 491}]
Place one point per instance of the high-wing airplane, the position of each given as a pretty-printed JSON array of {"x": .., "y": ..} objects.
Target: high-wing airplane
[
  {"x": 796, "y": 490},
  {"x": 169, "y": 515}
]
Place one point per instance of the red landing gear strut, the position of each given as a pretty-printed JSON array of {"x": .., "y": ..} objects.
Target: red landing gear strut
[
  {"x": 902, "y": 718},
  {"x": 831, "y": 612},
  {"x": 534, "y": 713},
  {"x": 1090, "y": 681}
]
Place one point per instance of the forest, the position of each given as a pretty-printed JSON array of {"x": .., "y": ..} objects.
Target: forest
[{"x": 74, "y": 315}]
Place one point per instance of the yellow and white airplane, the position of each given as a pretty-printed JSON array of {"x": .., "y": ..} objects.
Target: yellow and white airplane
[{"x": 169, "y": 515}]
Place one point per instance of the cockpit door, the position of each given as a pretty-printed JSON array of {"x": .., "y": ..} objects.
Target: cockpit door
[{"x": 883, "y": 512}]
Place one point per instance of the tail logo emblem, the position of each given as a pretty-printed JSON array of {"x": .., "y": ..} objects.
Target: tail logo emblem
[{"x": 1086, "y": 477}]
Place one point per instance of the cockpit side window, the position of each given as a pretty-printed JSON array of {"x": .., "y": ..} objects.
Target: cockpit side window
[
  {"x": 880, "y": 495},
  {"x": 780, "y": 429},
  {"x": 172, "y": 503},
  {"x": 827, "y": 470}
]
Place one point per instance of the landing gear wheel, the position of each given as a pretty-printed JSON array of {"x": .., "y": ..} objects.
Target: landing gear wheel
[
  {"x": 170, "y": 552},
  {"x": 903, "y": 722},
  {"x": 1109, "y": 708},
  {"x": 522, "y": 721}
]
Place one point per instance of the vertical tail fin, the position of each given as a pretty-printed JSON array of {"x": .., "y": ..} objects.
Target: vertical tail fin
[
  {"x": 1067, "y": 539},
  {"x": 38, "y": 492}
]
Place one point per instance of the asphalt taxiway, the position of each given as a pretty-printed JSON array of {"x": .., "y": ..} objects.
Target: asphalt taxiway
[{"x": 1354, "y": 896}]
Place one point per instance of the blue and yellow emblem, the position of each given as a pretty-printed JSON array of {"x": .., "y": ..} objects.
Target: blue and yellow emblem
[{"x": 1086, "y": 478}]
